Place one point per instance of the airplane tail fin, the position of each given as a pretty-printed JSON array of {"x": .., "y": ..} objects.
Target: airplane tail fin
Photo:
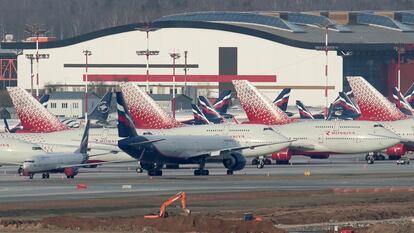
[
  {"x": 304, "y": 112},
  {"x": 222, "y": 103},
  {"x": 258, "y": 108},
  {"x": 33, "y": 116},
  {"x": 401, "y": 102},
  {"x": 208, "y": 110},
  {"x": 144, "y": 111},
  {"x": 199, "y": 117},
  {"x": 101, "y": 111},
  {"x": 126, "y": 127},
  {"x": 282, "y": 99},
  {"x": 373, "y": 105},
  {"x": 409, "y": 95},
  {"x": 44, "y": 100},
  {"x": 343, "y": 108},
  {"x": 83, "y": 148}
]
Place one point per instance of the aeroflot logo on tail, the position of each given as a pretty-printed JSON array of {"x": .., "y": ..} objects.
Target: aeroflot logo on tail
[{"x": 328, "y": 133}]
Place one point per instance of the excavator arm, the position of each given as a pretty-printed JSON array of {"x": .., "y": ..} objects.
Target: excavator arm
[{"x": 169, "y": 201}]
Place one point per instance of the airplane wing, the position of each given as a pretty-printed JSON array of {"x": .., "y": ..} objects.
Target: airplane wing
[
  {"x": 97, "y": 163},
  {"x": 302, "y": 147},
  {"x": 9, "y": 163},
  {"x": 147, "y": 142},
  {"x": 231, "y": 149}
]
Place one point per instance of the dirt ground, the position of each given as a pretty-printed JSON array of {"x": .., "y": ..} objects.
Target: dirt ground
[{"x": 220, "y": 212}]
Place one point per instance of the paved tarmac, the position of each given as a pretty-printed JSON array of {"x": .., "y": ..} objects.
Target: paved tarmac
[{"x": 121, "y": 179}]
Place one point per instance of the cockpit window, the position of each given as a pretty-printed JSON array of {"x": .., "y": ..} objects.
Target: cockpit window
[
  {"x": 29, "y": 161},
  {"x": 378, "y": 125},
  {"x": 36, "y": 148},
  {"x": 147, "y": 133},
  {"x": 268, "y": 128}
]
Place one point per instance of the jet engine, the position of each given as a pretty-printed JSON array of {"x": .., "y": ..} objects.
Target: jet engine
[
  {"x": 396, "y": 151},
  {"x": 282, "y": 157},
  {"x": 235, "y": 161},
  {"x": 70, "y": 171}
]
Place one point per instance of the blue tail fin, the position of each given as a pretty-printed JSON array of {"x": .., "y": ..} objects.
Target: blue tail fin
[
  {"x": 401, "y": 102},
  {"x": 222, "y": 103},
  {"x": 409, "y": 96},
  {"x": 83, "y": 148},
  {"x": 304, "y": 113},
  {"x": 343, "y": 108},
  {"x": 44, "y": 100},
  {"x": 126, "y": 127},
  {"x": 199, "y": 118},
  {"x": 6, "y": 125},
  {"x": 282, "y": 99},
  {"x": 101, "y": 111},
  {"x": 211, "y": 114}
]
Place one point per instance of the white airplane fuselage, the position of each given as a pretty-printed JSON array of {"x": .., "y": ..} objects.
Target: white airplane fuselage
[
  {"x": 16, "y": 151},
  {"x": 51, "y": 162}
]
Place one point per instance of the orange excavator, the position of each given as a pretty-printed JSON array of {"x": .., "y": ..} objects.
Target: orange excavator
[{"x": 169, "y": 201}]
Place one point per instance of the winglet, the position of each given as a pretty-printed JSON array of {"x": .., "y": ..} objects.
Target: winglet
[
  {"x": 126, "y": 127},
  {"x": 33, "y": 116},
  {"x": 373, "y": 105},
  {"x": 144, "y": 111},
  {"x": 258, "y": 108}
]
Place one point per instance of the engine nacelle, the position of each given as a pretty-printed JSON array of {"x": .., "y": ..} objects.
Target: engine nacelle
[
  {"x": 235, "y": 161},
  {"x": 283, "y": 155},
  {"x": 397, "y": 150},
  {"x": 70, "y": 171},
  {"x": 319, "y": 156}
]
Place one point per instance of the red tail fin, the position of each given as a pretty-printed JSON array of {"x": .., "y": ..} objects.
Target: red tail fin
[
  {"x": 373, "y": 105},
  {"x": 33, "y": 116},
  {"x": 258, "y": 108},
  {"x": 144, "y": 111}
]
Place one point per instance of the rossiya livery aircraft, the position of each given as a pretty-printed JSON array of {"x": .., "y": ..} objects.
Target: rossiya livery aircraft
[
  {"x": 401, "y": 103},
  {"x": 375, "y": 107},
  {"x": 317, "y": 138},
  {"x": 180, "y": 147}
]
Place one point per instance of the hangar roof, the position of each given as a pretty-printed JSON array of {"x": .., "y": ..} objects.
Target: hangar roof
[{"x": 362, "y": 30}]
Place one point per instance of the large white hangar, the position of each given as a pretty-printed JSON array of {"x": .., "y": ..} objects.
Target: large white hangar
[{"x": 273, "y": 50}]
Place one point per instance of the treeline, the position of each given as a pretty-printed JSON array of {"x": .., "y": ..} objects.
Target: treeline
[{"x": 68, "y": 18}]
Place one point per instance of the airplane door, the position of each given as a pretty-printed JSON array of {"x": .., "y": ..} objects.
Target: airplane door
[{"x": 321, "y": 138}]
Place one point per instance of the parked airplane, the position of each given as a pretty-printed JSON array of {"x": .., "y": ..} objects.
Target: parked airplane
[
  {"x": 67, "y": 163},
  {"x": 304, "y": 112},
  {"x": 282, "y": 101},
  {"x": 401, "y": 103},
  {"x": 375, "y": 107},
  {"x": 228, "y": 143},
  {"x": 409, "y": 95},
  {"x": 222, "y": 103},
  {"x": 209, "y": 111},
  {"x": 318, "y": 138}
]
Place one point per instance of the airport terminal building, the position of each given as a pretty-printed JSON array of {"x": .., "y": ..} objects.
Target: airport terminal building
[{"x": 273, "y": 50}]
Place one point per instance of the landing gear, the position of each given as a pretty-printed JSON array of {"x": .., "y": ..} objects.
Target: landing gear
[
  {"x": 154, "y": 169},
  {"x": 255, "y": 161},
  {"x": 378, "y": 156},
  {"x": 261, "y": 161},
  {"x": 70, "y": 177},
  {"x": 229, "y": 172},
  {"x": 45, "y": 176},
  {"x": 394, "y": 157},
  {"x": 201, "y": 171},
  {"x": 370, "y": 159},
  {"x": 20, "y": 170},
  {"x": 172, "y": 166},
  {"x": 139, "y": 170},
  {"x": 31, "y": 176}
]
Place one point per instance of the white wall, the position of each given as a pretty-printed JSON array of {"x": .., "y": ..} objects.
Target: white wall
[{"x": 293, "y": 66}]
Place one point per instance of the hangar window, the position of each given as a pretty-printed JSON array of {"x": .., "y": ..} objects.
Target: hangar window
[
  {"x": 52, "y": 105},
  {"x": 64, "y": 105}
]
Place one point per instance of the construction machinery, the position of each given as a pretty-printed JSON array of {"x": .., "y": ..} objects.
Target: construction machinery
[{"x": 169, "y": 201}]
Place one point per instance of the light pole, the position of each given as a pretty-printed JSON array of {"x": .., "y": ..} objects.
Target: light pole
[
  {"x": 147, "y": 53},
  {"x": 399, "y": 51},
  {"x": 185, "y": 72},
  {"x": 31, "y": 58},
  {"x": 326, "y": 48},
  {"x": 34, "y": 30},
  {"x": 87, "y": 53},
  {"x": 174, "y": 56}
]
